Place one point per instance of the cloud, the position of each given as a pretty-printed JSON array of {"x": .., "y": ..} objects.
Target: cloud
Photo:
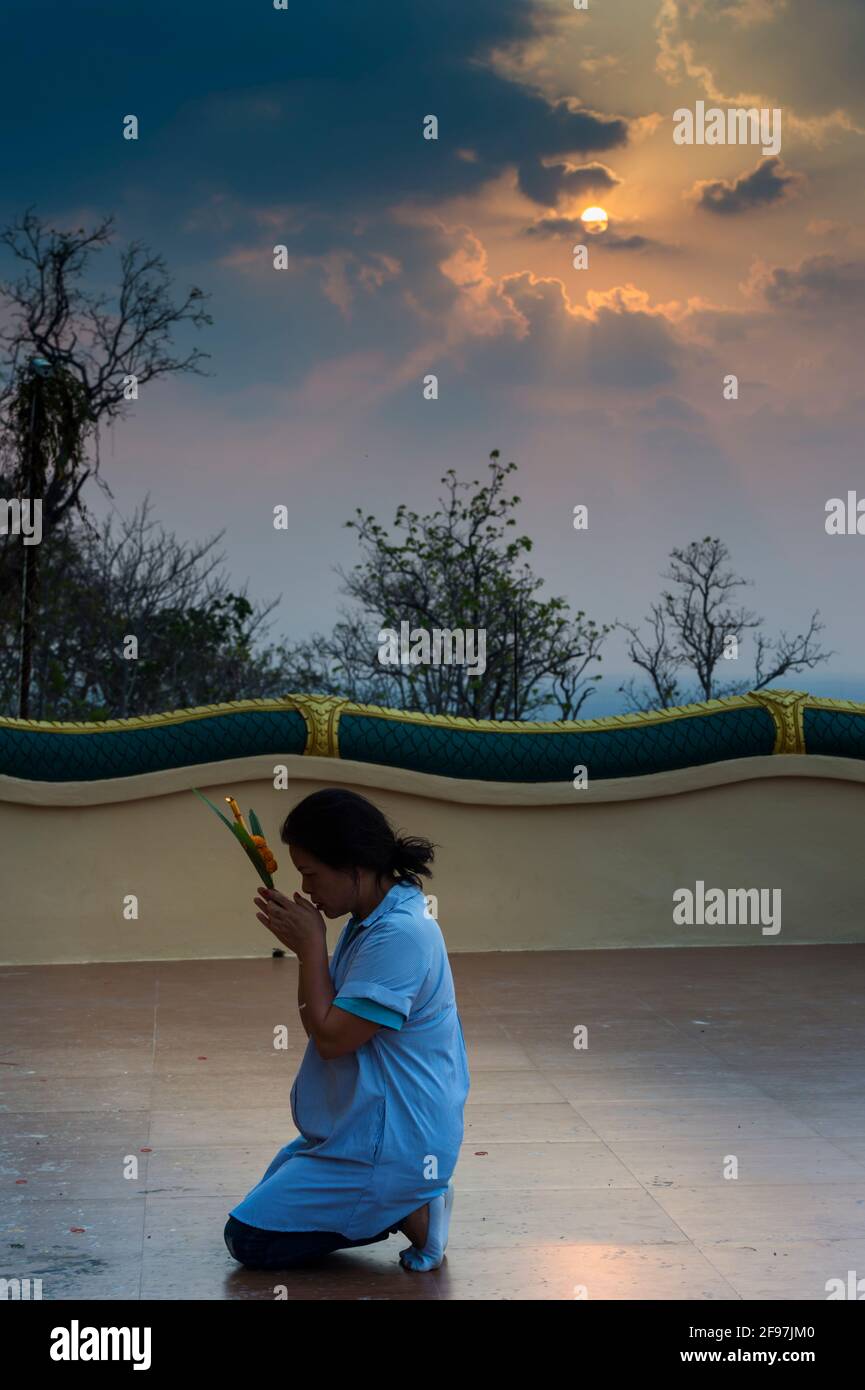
[
  {"x": 774, "y": 64},
  {"x": 605, "y": 62},
  {"x": 767, "y": 184},
  {"x": 671, "y": 410},
  {"x": 674, "y": 448},
  {"x": 341, "y": 275},
  {"x": 826, "y": 227},
  {"x": 717, "y": 325},
  {"x": 610, "y": 240},
  {"x": 479, "y": 310},
  {"x": 617, "y": 340},
  {"x": 817, "y": 283},
  {"x": 330, "y": 108},
  {"x": 746, "y": 13},
  {"x": 631, "y": 350},
  {"x": 548, "y": 184}
]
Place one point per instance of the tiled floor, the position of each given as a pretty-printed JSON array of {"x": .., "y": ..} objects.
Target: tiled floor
[{"x": 593, "y": 1173}]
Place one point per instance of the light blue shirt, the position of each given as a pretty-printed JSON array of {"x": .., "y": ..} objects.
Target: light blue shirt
[
  {"x": 366, "y": 1008},
  {"x": 380, "y": 1128}
]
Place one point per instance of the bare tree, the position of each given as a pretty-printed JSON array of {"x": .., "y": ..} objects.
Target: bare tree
[
  {"x": 95, "y": 345},
  {"x": 691, "y": 628},
  {"x": 74, "y": 357},
  {"x": 654, "y": 655},
  {"x": 199, "y": 641}
]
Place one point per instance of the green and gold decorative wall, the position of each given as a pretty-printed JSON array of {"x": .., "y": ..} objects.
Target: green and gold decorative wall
[
  {"x": 628, "y": 745},
  {"x": 528, "y": 857}
]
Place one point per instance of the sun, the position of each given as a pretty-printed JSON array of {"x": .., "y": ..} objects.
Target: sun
[{"x": 594, "y": 219}]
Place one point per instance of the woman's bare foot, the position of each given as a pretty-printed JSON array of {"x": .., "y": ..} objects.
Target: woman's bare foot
[{"x": 416, "y": 1227}]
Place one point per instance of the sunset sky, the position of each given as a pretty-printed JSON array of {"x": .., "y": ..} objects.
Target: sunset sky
[{"x": 304, "y": 126}]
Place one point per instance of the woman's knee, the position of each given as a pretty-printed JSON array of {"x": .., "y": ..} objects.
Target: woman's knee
[
  {"x": 238, "y": 1244},
  {"x": 258, "y": 1249}
]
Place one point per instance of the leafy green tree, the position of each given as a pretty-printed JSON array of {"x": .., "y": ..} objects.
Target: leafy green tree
[{"x": 460, "y": 567}]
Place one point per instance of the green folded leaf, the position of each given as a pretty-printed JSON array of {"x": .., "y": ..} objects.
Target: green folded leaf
[
  {"x": 215, "y": 809},
  {"x": 255, "y": 823},
  {"x": 252, "y": 851},
  {"x": 245, "y": 840}
]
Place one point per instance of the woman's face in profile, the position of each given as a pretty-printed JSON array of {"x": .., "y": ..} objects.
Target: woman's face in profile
[{"x": 333, "y": 891}]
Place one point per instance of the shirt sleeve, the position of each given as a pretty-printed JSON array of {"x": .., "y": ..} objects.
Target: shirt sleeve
[
  {"x": 388, "y": 968},
  {"x": 367, "y": 1008}
]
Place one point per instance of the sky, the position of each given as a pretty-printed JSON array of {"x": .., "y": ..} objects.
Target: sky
[{"x": 304, "y": 127}]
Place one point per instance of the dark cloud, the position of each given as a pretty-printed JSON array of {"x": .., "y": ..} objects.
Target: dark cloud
[
  {"x": 679, "y": 444},
  {"x": 671, "y": 410},
  {"x": 631, "y": 350},
  {"x": 609, "y": 240},
  {"x": 261, "y": 127},
  {"x": 318, "y": 107},
  {"x": 613, "y": 241},
  {"x": 769, "y": 183},
  {"x": 821, "y": 282},
  {"x": 548, "y": 184},
  {"x": 721, "y": 325}
]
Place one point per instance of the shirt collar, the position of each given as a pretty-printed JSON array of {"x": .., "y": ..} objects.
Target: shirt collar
[{"x": 397, "y": 890}]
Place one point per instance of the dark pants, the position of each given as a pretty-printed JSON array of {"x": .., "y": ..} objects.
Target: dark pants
[{"x": 257, "y": 1249}]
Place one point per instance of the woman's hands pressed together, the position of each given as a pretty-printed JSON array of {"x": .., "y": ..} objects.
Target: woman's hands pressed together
[{"x": 294, "y": 922}]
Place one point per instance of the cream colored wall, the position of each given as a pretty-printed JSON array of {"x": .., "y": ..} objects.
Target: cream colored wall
[{"x": 519, "y": 868}]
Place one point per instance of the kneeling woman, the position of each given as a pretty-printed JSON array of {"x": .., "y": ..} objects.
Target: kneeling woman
[{"x": 379, "y": 1096}]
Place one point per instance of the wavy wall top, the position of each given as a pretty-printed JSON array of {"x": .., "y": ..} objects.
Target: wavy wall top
[{"x": 625, "y": 745}]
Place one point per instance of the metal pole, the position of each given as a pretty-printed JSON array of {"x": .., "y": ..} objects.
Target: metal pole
[
  {"x": 24, "y": 664},
  {"x": 516, "y": 661},
  {"x": 30, "y": 571}
]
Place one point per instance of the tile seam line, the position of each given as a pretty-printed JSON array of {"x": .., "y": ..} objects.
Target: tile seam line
[{"x": 152, "y": 1097}]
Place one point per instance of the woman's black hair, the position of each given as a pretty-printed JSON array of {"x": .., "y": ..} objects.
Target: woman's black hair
[{"x": 345, "y": 831}]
